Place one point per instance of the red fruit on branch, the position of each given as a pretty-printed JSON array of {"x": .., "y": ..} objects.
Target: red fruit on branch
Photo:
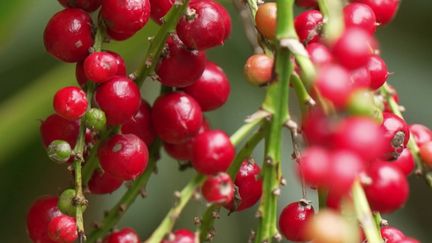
[
  {"x": 361, "y": 16},
  {"x": 259, "y": 69},
  {"x": 360, "y": 78},
  {"x": 265, "y": 20},
  {"x": 180, "y": 236},
  {"x": 140, "y": 124},
  {"x": 102, "y": 66},
  {"x": 68, "y": 35},
  {"x": 70, "y": 103},
  {"x": 126, "y": 235},
  {"x": 384, "y": 10},
  {"x": 421, "y": 134},
  {"x": 391, "y": 234},
  {"x": 42, "y": 211},
  {"x": 294, "y": 219},
  {"x": 319, "y": 54},
  {"x": 378, "y": 71},
  {"x": 426, "y": 153},
  {"x": 119, "y": 98},
  {"x": 212, "y": 89},
  {"x": 218, "y": 189},
  {"x": 345, "y": 167},
  {"x": 123, "y": 156},
  {"x": 396, "y": 135},
  {"x": 159, "y": 8},
  {"x": 87, "y": 5},
  {"x": 308, "y": 26},
  {"x": 63, "y": 229},
  {"x": 55, "y": 127},
  {"x": 103, "y": 183},
  {"x": 213, "y": 152},
  {"x": 176, "y": 117},
  {"x": 317, "y": 128},
  {"x": 405, "y": 162},
  {"x": 314, "y": 166}
]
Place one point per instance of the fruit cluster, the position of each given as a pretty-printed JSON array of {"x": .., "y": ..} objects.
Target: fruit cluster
[{"x": 357, "y": 149}]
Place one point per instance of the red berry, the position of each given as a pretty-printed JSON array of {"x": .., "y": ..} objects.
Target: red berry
[
  {"x": 68, "y": 35},
  {"x": 180, "y": 236},
  {"x": 124, "y": 17},
  {"x": 218, "y": 189},
  {"x": 308, "y": 25},
  {"x": 79, "y": 74},
  {"x": 140, "y": 124},
  {"x": 385, "y": 10},
  {"x": 212, "y": 89},
  {"x": 378, "y": 72},
  {"x": 126, "y": 235},
  {"x": 407, "y": 240},
  {"x": 351, "y": 135},
  {"x": 184, "y": 151},
  {"x": 265, "y": 20},
  {"x": 102, "y": 66},
  {"x": 123, "y": 156},
  {"x": 388, "y": 190},
  {"x": 103, "y": 183},
  {"x": 307, "y": 3},
  {"x": 159, "y": 8},
  {"x": 319, "y": 54},
  {"x": 176, "y": 117},
  {"x": 58, "y": 128},
  {"x": 119, "y": 98},
  {"x": 361, "y": 16},
  {"x": 345, "y": 167},
  {"x": 426, "y": 153},
  {"x": 316, "y": 127},
  {"x": 259, "y": 69},
  {"x": 63, "y": 229},
  {"x": 360, "y": 78},
  {"x": 249, "y": 186},
  {"x": 206, "y": 28},
  {"x": 213, "y": 152},
  {"x": 391, "y": 234},
  {"x": 314, "y": 167},
  {"x": 181, "y": 66},
  {"x": 293, "y": 220},
  {"x": 405, "y": 162},
  {"x": 396, "y": 135},
  {"x": 87, "y": 5},
  {"x": 421, "y": 134},
  {"x": 38, "y": 217},
  {"x": 333, "y": 83},
  {"x": 353, "y": 48},
  {"x": 70, "y": 103}
]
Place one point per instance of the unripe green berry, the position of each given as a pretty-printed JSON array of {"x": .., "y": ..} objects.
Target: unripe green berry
[
  {"x": 361, "y": 103},
  {"x": 66, "y": 202},
  {"x": 95, "y": 119},
  {"x": 59, "y": 151}
]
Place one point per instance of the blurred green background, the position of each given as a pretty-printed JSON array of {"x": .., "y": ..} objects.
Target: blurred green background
[{"x": 29, "y": 77}]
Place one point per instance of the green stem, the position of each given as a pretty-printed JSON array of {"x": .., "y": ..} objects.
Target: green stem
[
  {"x": 303, "y": 96},
  {"x": 276, "y": 102},
  {"x": 333, "y": 19},
  {"x": 244, "y": 131},
  {"x": 168, "y": 222},
  {"x": 208, "y": 218},
  {"x": 114, "y": 215},
  {"x": 364, "y": 214},
  {"x": 157, "y": 44}
]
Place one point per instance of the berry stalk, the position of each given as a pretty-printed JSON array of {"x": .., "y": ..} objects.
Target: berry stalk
[{"x": 333, "y": 18}]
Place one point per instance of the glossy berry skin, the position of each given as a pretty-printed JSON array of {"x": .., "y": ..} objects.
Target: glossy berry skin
[
  {"x": 353, "y": 48},
  {"x": 70, "y": 103},
  {"x": 124, "y": 156},
  {"x": 408, "y": 240},
  {"x": 176, "y": 117},
  {"x": 57, "y": 128},
  {"x": 259, "y": 69},
  {"x": 345, "y": 167},
  {"x": 391, "y": 234},
  {"x": 212, "y": 89},
  {"x": 350, "y": 135},
  {"x": 218, "y": 189},
  {"x": 319, "y": 54},
  {"x": 333, "y": 83},
  {"x": 426, "y": 153},
  {"x": 405, "y": 162},
  {"x": 124, "y": 18},
  {"x": 103, "y": 183},
  {"x": 265, "y": 20},
  {"x": 181, "y": 66},
  {"x": 42, "y": 211},
  {"x": 308, "y": 25},
  {"x": 314, "y": 166},
  {"x": 159, "y": 8},
  {"x": 360, "y": 78},
  {"x": 361, "y": 16},
  {"x": 384, "y": 10},
  {"x": 126, "y": 235},
  {"x": 63, "y": 229},
  {"x": 140, "y": 124},
  {"x": 249, "y": 187},
  {"x": 389, "y": 188},
  {"x": 421, "y": 134},
  {"x": 396, "y": 135},
  {"x": 86, "y": 5},
  {"x": 378, "y": 72},
  {"x": 293, "y": 221},
  {"x": 307, "y": 3},
  {"x": 68, "y": 35},
  {"x": 316, "y": 127},
  {"x": 180, "y": 236},
  {"x": 119, "y": 98},
  {"x": 102, "y": 66},
  {"x": 213, "y": 152},
  {"x": 209, "y": 27}
]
